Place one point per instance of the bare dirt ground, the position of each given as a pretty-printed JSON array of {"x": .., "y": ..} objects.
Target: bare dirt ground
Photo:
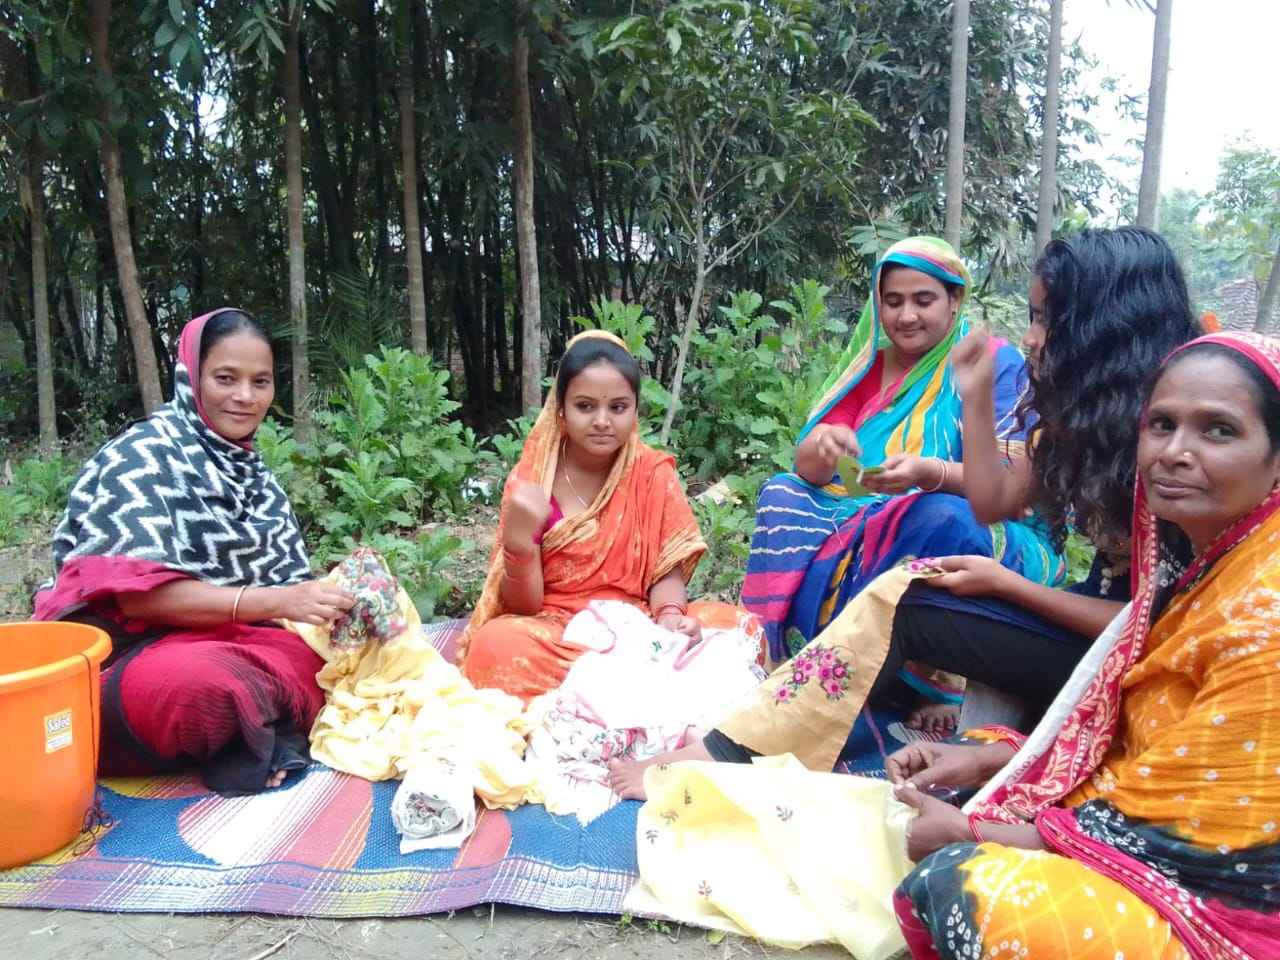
[{"x": 506, "y": 933}]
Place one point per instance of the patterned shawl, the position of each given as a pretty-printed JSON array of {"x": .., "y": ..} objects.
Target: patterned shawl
[
  {"x": 637, "y": 530},
  {"x": 1158, "y": 766},
  {"x": 922, "y": 415},
  {"x": 171, "y": 493}
]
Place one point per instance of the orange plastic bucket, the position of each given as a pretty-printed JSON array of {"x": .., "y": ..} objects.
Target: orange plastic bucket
[{"x": 49, "y": 723}]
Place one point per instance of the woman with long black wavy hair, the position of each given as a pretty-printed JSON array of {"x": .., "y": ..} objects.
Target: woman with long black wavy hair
[{"x": 1106, "y": 308}]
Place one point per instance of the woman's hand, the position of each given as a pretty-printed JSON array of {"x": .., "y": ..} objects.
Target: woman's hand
[
  {"x": 312, "y": 601},
  {"x": 680, "y": 623},
  {"x": 836, "y": 440},
  {"x": 817, "y": 454},
  {"x": 904, "y": 471},
  {"x": 936, "y": 824},
  {"x": 527, "y": 514},
  {"x": 973, "y": 366},
  {"x": 958, "y": 766},
  {"x": 974, "y": 577}
]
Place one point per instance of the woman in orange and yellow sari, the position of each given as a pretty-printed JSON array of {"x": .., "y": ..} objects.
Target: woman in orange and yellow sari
[
  {"x": 1140, "y": 818},
  {"x": 589, "y": 513}
]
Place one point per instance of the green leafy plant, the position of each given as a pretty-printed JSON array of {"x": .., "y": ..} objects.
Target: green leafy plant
[
  {"x": 726, "y": 526},
  {"x": 627, "y": 321},
  {"x": 16, "y": 510},
  {"x": 32, "y": 496},
  {"x": 504, "y": 451},
  {"x": 371, "y": 499},
  {"x": 45, "y": 481},
  {"x": 1079, "y": 553},
  {"x": 387, "y": 455},
  {"x": 424, "y": 566},
  {"x": 751, "y": 381}
]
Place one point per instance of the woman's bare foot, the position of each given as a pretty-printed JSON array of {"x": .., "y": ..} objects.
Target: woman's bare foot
[
  {"x": 934, "y": 718},
  {"x": 275, "y": 778},
  {"x": 627, "y": 776}
]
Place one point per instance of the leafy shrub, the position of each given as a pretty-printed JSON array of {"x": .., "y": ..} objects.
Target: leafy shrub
[
  {"x": 33, "y": 495},
  {"x": 727, "y": 526},
  {"x": 387, "y": 455},
  {"x": 15, "y": 513},
  {"x": 751, "y": 380},
  {"x": 503, "y": 454},
  {"x": 45, "y": 481},
  {"x": 399, "y": 407}
]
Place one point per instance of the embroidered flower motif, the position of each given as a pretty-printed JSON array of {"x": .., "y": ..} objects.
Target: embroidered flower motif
[
  {"x": 924, "y": 566},
  {"x": 815, "y": 661},
  {"x": 375, "y": 618},
  {"x": 669, "y": 817},
  {"x": 651, "y": 835}
]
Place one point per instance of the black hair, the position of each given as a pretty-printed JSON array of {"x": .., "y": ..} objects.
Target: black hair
[
  {"x": 226, "y": 322},
  {"x": 953, "y": 289},
  {"x": 1265, "y": 393},
  {"x": 1116, "y": 305},
  {"x": 587, "y": 353}
]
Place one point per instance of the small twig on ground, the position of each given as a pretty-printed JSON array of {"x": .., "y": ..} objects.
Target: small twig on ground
[
  {"x": 230, "y": 929},
  {"x": 276, "y": 947}
]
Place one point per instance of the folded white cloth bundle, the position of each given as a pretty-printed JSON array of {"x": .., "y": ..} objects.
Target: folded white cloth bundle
[{"x": 435, "y": 806}]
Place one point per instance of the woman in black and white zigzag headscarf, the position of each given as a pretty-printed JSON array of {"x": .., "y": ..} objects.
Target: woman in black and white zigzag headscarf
[{"x": 181, "y": 544}]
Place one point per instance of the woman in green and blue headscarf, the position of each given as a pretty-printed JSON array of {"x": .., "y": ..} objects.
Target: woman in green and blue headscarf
[{"x": 890, "y": 403}]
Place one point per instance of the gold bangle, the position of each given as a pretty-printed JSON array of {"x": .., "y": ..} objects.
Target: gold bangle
[
  {"x": 942, "y": 477},
  {"x": 235, "y": 607}
]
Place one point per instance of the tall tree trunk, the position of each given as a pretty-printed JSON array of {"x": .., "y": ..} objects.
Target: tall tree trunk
[
  {"x": 409, "y": 178},
  {"x": 144, "y": 354},
  {"x": 369, "y": 54},
  {"x": 1049, "y": 141},
  {"x": 690, "y": 320},
  {"x": 297, "y": 250},
  {"x": 1267, "y": 306},
  {"x": 72, "y": 312},
  {"x": 196, "y": 211},
  {"x": 1153, "y": 144},
  {"x": 955, "y": 121},
  {"x": 526, "y": 232},
  {"x": 33, "y": 190}
]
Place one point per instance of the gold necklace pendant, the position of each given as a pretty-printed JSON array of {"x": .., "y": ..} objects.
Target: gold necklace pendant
[{"x": 564, "y": 469}]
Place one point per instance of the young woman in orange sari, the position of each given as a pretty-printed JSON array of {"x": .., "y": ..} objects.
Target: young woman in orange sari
[{"x": 589, "y": 513}]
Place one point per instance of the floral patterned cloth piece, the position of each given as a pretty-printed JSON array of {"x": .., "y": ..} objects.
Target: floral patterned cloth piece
[
  {"x": 392, "y": 703},
  {"x": 635, "y": 696},
  {"x": 376, "y": 616},
  {"x": 809, "y": 704}
]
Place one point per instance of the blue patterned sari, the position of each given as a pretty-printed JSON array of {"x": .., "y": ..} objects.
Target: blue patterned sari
[{"x": 815, "y": 548}]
